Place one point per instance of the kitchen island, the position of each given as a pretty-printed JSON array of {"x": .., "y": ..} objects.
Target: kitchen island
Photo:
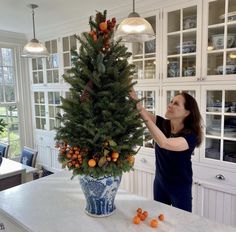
[{"x": 56, "y": 204}]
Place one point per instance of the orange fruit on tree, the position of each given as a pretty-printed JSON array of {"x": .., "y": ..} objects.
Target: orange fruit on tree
[
  {"x": 114, "y": 155},
  {"x": 161, "y": 217},
  {"x": 136, "y": 220},
  {"x": 131, "y": 159},
  {"x": 154, "y": 223},
  {"x": 92, "y": 163},
  {"x": 68, "y": 156},
  {"x": 103, "y": 26}
]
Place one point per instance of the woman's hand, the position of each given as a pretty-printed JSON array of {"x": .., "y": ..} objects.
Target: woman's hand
[{"x": 133, "y": 94}]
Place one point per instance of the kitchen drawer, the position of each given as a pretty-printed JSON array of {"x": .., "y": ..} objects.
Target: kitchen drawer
[
  {"x": 215, "y": 176},
  {"x": 7, "y": 225},
  {"x": 145, "y": 163}
]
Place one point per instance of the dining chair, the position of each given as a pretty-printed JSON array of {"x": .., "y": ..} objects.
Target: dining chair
[
  {"x": 28, "y": 156},
  {"x": 4, "y": 148}
]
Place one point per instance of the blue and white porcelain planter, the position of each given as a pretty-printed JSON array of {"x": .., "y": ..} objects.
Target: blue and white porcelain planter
[{"x": 100, "y": 194}]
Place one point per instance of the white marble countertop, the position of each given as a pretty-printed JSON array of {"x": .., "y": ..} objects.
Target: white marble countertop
[
  {"x": 10, "y": 168},
  {"x": 56, "y": 203}
]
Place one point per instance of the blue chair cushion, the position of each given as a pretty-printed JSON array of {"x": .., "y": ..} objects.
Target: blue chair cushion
[
  {"x": 27, "y": 158},
  {"x": 2, "y": 150}
]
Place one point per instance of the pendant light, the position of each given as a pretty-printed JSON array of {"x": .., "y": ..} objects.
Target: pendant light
[
  {"x": 34, "y": 49},
  {"x": 134, "y": 28}
]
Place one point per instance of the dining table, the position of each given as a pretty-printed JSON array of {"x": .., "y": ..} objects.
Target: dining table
[{"x": 56, "y": 203}]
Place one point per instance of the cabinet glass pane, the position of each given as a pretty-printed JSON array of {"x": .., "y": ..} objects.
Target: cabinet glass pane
[
  {"x": 189, "y": 17},
  {"x": 37, "y": 111},
  {"x": 40, "y": 63},
  {"x": 215, "y": 64},
  {"x": 51, "y": 111},
  {"x": 49, "y": 76},
  {"x": 35, "y": 77},
  {"x": 138, "y": 69},
  {"x": 34, "y": 65},
  {"x": 150, "y": 69},
  {"x": 150, "y": 46},
  {"x": 173, "y": 67},
  {"x": 214, "y": 101},
  {"x": 213, "y": 125},
  {"x": 41, "y": 97},
  {"x": 42, "y": 111},
  {"x": 212, "y": 149},
  {"x": 216, "y": 9},
  {"x": 149, "y": 100},
  {"x": 173, "y": 44},
  {"x": 229, "y": 151},
  {"x": 173, "y": 21},
  {"x": 65, "y": 44},
  {"x": 55, "y": 76},
  {"x": 137, "y": 49},
  {"x": 66, "y": 59},
  {"x": 189, "y": 66},
  {"x": 38, "y": 123},
  {"x": 230, "y": 127},
  {"x": 55, "y": 60},
  {"x": 54, "y": 46},
  {"x": 73, "y": 42},
  {"x": 43, "y": 123},
  {"x": 40, "y": 77}
]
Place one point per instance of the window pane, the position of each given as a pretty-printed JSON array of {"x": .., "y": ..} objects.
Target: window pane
[
  {"x": 9, "y": 93},
  {"x": 7, "y": 57}
]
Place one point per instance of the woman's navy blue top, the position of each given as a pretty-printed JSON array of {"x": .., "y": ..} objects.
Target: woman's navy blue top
[{"x": 174, "y": 167}]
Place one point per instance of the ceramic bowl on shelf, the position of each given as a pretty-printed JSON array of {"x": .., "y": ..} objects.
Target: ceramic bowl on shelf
[
  {"x": 189, "y": 71},
  {"x": 189, "y": 22},
  {"x": 218, "y": 41},
  {"x": 231, "y": 16},
  {"x": 173, "y": 69},
  {"x": 229, "y": 69},
  {"x": 186, "y": 48}
]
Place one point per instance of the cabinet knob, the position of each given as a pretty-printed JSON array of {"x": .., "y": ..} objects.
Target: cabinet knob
[
  {"x": 143, "y": 160},
  {"x": 220, "y": 177}
]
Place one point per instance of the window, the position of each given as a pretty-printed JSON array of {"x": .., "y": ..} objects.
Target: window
[{"x": 8, "y": 101}]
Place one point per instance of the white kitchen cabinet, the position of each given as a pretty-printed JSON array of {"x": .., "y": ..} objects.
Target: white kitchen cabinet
[
  {"x": 214, "y": 201},
  {"x": 198, "y": 47}
]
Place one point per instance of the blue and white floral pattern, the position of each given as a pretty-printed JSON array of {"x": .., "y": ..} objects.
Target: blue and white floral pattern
[{"x": 100, "y": 194}]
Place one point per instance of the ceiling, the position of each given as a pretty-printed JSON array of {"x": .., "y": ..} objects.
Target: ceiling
[{"x": 15, "y": 16}]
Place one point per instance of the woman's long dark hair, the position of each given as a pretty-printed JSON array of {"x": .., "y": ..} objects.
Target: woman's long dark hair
[{"x": 193, "y": 122}]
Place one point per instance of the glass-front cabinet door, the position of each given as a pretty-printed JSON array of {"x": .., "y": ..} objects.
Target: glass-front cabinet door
[
  {"x": 220, "y": 38},
  {"x": 149, "y": 103},
  {"x": 52, "y": 63},
  {"x": 46, "y": 109},
  {"x": 181, "y": 41},
  {"x": 220, "y": 119},
  {"x": 68, "y": 43},
  {"x": 144, "y": 56}
]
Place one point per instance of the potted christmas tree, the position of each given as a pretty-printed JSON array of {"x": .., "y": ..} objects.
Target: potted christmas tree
[{"x": 100, "y": 126}]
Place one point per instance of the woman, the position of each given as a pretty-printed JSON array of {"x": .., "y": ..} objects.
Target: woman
[{"x": 175, "y": 140}]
